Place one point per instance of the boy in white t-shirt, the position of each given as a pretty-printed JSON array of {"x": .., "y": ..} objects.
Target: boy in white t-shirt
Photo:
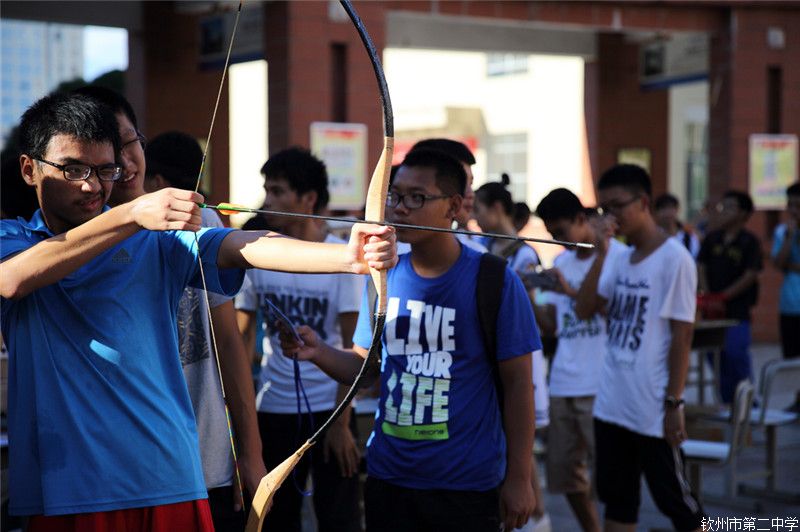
[
  {"x": 575, "y": 370},
  {"x": 297, "y": 182},
  {"x": 649, "y": 296}
]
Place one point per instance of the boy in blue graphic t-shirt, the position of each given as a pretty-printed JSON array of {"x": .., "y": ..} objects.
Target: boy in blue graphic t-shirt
[
  {"x": 442, "y": 457},
  {"x": 101, "y": 428}
]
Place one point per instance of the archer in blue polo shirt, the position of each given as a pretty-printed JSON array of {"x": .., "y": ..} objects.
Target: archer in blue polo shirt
[
  {"x": 100, "y": 420},
  {"x": 97, "y": 382}
]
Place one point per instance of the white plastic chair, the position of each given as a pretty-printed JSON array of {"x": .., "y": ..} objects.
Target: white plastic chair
[
  {"x": 776, "y": 376},
  {"x": 700, "y": 453}
]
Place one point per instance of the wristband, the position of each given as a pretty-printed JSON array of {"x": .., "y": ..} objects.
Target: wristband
[{"x": 671, "y": 401}]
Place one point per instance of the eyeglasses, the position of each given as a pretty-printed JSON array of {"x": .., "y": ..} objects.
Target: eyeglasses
[
  {"x": 80, "y": 172},
  {"x": 616, "y": 206},
  {"x": 414, "y": 200},
  {"x": 139, "y": 138},
  {"x": 722, "y": 207}
]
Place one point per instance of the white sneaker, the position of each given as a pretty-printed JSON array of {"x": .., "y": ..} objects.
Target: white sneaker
[
  {"x": 542, "y": 524},
  {"x": 536, "y": 525}
]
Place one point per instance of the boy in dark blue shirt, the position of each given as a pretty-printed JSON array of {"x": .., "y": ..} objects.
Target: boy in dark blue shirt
[{"x": 442, "y": 455}]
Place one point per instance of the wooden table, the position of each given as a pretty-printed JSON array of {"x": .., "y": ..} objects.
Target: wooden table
[{"x": 709, "y": 336}]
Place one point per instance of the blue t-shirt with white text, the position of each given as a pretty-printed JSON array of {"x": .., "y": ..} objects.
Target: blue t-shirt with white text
[{"x": 438, "y": 424}]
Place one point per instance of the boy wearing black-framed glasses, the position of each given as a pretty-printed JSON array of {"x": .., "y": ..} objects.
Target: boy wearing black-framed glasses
[
  {"x": 101, "y": 428},
  {"x": 443, "y": 456}
]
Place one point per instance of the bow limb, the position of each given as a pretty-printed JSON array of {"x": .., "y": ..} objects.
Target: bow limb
[
  {"x": 375, "y": 204},
  {"x": 375, "y": 210}
]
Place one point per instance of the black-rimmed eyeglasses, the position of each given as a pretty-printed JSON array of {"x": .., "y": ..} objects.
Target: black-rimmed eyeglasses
[
  {"x": 617, "y": 206},
  {"x": 80, "y": 172},
  {"x": 414, "y": 200},
  {"x": 141, "y": 139}
]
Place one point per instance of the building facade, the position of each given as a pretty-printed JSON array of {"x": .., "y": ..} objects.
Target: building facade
[{"x": 642, "y": 95}]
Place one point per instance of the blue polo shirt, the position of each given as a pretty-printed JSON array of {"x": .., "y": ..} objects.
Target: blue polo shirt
[{"x": 99, "y": 415}]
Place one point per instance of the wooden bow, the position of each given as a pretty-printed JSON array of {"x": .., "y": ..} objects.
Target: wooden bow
[{"x": 370, "y": 369}]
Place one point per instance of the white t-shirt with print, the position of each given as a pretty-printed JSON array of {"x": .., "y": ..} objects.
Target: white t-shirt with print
[
  {"x": 642, "y": 299},
  {"x": 694, "y": 242},
  {"x": 471, "y": 243},
  {"x": 313, "y": 300},
  {"x": 578, "y": 361},
  {"x": 202, "y": 377},
  {"x": 524, "y": 259}
]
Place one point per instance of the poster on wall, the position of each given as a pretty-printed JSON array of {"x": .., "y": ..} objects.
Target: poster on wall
[
  {"x": 638, "y": 156},
  {"x": 343, "y": 148},
  {"x": 773, "y": 167}
]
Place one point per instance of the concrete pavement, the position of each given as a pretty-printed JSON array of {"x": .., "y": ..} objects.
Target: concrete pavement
[{"x": 751, "y": 458}]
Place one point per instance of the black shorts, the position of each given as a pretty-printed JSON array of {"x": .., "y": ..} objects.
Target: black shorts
[
  {"x": 392, "y": 508},
  {"x": 622, "y": 456},
  {"x": 790, "y": 335}
]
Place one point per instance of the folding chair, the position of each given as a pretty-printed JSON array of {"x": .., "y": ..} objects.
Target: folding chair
[
  {"x": 701, "y": 453},
  {"x": 776, "y": 376}
]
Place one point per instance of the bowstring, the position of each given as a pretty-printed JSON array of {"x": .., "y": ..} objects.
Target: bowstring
[
  {"x": 219, "y": 96},
  {"x": 202, "y": 270}
]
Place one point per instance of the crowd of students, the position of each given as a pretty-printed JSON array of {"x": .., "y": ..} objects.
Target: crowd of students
[{"x": 119, "y": 358}]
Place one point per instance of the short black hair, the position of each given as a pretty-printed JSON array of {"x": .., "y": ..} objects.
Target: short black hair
[
  {"x": 559, "y": 204},
  {"x": 743, "y": 200},
  {"x": 114, "y": 100},
  {"x": 66, "y": 114},
  {"x": 665, "y": 201},
  {"x": 450, "y": 175},
  {"x": 522, "y": 213},
  {"x": 491, "y": 193},
  {"x": 793, "y": 189},
  {"x": 453, "y": 148},
  {"x": 302, "y": 171},
  {"x": 631, "y": 177},
  {"x": 177, "y": 157}
]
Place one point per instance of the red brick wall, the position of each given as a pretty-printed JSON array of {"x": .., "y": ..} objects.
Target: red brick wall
[
  {"x": 179, "y": 95},
  {"x": 680, "y": 15},
  {"x": 629, "y": 117},
  {"x": 748, "y": 57},
  {"x": 300, "y": 71},
  {"x": 299, "y": 35}
]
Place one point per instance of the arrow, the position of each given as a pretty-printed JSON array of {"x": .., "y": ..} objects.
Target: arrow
[{"x": 230, "y": 208}]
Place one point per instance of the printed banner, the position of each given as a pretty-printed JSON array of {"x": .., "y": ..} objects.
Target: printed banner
[
  {"x": 343, "y": 148},
  {"x": 773, "y": 167}
]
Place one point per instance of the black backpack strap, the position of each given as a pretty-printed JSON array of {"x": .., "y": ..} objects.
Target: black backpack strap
[
  {"x": 372, "y": 301},
  {"x": 511, "y": 250},
  {"x": 489, "y": 291},
  {"x": 507, "y": 252}
]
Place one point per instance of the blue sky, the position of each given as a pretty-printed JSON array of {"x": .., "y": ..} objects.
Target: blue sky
[{"x": 104, "y": 49}]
